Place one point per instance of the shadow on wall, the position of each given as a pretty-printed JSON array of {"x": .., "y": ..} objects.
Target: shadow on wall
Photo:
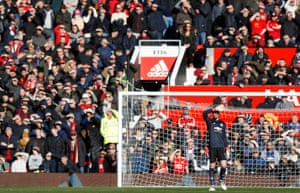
[{"x": 58, "y": 179}]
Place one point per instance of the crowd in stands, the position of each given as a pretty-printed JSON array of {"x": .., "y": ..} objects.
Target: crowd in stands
[
  {"x": 257, "y": 145},
  {"x": 63, "y": 63}
]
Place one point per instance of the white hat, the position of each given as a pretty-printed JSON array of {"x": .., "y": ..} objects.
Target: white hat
[{"x": 85, "y": 95}]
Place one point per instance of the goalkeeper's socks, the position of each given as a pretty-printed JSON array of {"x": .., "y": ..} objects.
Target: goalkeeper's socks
[
  {"x": 222, "y": 174},
  {"x": 212, "y": 177}
]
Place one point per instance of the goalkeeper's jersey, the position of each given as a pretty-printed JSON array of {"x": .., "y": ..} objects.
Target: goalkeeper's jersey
[{"x": 216, "y": 131}]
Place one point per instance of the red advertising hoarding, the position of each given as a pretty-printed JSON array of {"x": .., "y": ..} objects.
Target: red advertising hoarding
[
  {"x": 274, "y": 53},
  {"x": 155, "y": 68},
  {"x": 156, "y": 62},
  {"x": 214, "y": 88},
  {"x": 199, "y": 103}
]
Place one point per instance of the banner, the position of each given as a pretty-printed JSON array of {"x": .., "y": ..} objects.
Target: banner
[
  {"x": 156, "y": 62},
  {"x": 256, "y": 100},
  {"x": 274, "y": 54}
]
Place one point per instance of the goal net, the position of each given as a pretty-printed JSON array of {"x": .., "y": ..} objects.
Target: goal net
[{"x": 163, "y": 139}]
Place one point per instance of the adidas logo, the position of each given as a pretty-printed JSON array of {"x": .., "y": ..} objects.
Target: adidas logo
[{"x": 159, "y": 70}]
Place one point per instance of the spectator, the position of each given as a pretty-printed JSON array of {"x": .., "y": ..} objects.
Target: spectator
[
  {"x": 16, "y": 44},
  {"x": 186, "y": 120},
  {"x": 249, "y": 74},
  {"x": 155, "y": 22},
  {"x": 293, "y": 74},
  {"x": 294, "y": 123},
  {"x": 289, "y": 27},
  {"x": 261, "y": 57},
  {"x": 258, "y": 27},
  {"x": 228, "y": 58},
  {"x": 179, "y": 163},
  {"x": 286, "y": 41},
  {"x": 63, "y": 17},
  {"x": 188, "y": 38},
  {"x": 105, "y": 50},
  {"x": 150, "y": 146},
  {"x": 185, "y": 15},
  {"x": 96, "y": 39},
  {"x": 157, "y": 118},
  {"x": 103, "y": 164},
  {"x": 129, "y": 43},
  {"x": 235, "y": 141},
  {"x": 23, "y": 141},
  {"x": 61, "y": 35},
  {"x": 8, "y": 144},
  {"x": 268, "y": 103},
  {"x": 37, "y": 140},
  {"x": 137, "y": 21},
  {"x": 161, "y": 167},
  {"x": 242, "y": 102},
  {"x": 255, "y": 164},
  {"x": 17, "y": 126},
  {"x": 19, "y": 165},
  {"x": 269, "y": 6},
  {"x": 243, "y": 55},
  {"x": 281, "y": 78},
  {"x": 291, "y": 6},
  {"x": 210, "y": 41},
  {"x": 35, "y": 160},
  {"x": 77, "y": 20},
  {"x": 202, "y": 21},
  {"x": 202, "y": 161},
  {"x": 71, "y": 5},
  {"x": 77, "y": 150},
  {"x": 234, "y": 78},
  {"x": 109, "y": 127},
  {"x": 4, "y": 165},
  {"x": 284, "y": 169},
  {"x": 103, "y": 21},
  {"x": 65, "y": 165},
  {"x": 284, "y": 104},
  {"x": 220, "y": 76},
  {"x": 119, "y": 19},
  {"x": 230, "y": 18},
  {"x": 216, "y": 13},
  {"x": 55, "y": 144},
  {"x": 247, "y": 145},
  {"x": 274, "y": 28},
  {"x": 39, "y": 38},
  {"x": 203, "y": 76},
  {"x": 243, "y": 18},
  {"x": 89, "y": 18},
  {"x": 294, "y": 156},
  {"x": 280, "y": 146},
  {"x": 140, "y": 161},
  {"x": 49, "y": 19},
  {"x": 221, "y": 100},
  {"x": 269, "y": 153}
]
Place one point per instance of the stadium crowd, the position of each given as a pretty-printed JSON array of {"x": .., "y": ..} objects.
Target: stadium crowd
[
  {"x": 257, "y": 146},
  {"x": 63, "y": 63}
]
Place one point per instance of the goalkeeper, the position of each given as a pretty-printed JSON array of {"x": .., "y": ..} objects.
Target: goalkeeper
[{"x": 217, "y": 144}]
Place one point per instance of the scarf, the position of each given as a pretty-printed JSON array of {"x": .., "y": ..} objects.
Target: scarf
[{"x": 74, "y": 151}]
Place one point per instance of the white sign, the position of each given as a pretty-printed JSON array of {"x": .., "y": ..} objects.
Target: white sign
[{"x": 159, "y": 51}]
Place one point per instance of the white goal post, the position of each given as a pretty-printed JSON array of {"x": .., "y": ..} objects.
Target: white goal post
[{"x": 152, "y": 130}]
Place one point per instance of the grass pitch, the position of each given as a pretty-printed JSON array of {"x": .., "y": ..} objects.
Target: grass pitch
[{"x": 141, "y": 190}]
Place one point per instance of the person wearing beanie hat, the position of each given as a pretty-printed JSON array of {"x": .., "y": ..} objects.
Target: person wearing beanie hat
[
  {"x": 35, "y": 160},
  {"x": 78, "y": 20}
]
